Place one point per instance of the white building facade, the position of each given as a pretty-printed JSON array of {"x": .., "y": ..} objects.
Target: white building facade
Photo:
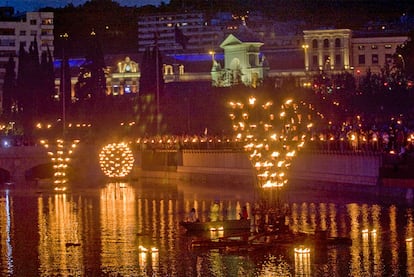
[
  {"x": 327, "y": 50},
  {"x": 375, "y": 52},
  {"x": 339, "y": 50}
]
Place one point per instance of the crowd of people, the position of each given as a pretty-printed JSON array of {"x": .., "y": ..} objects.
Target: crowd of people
[{"x": 394, "y": 138}]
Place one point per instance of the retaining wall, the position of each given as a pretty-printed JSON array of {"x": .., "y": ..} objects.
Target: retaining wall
[{"x": 360, "y": 169}]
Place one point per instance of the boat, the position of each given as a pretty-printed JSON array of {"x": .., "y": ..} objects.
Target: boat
[{"x": 225, "y": 225}]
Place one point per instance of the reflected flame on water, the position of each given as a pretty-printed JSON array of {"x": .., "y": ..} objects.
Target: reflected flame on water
[
  {"x": 6, "y": 219},
  {"x": 60, "y": 229},
  {"x": 104, "y": 232}
]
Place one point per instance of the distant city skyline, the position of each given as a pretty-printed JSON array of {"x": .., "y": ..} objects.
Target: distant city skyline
[{"x": 33, "y": 5}]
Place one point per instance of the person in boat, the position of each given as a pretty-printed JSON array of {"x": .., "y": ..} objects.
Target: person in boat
[
  {"x": 244, "y": 214},
  {"x": 193, "y": 216}
]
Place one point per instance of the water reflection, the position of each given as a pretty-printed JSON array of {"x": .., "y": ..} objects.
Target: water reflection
[
  {"x": 60, "y": 229},
  {"x": 6, "y": 219},
  {"x": 118, "y": 223},
  {"x": 302, "y": 264},
  {"x": 132, "y": 229}
]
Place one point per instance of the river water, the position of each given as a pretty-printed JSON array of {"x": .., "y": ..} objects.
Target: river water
[{"x": 102, "y": 231}]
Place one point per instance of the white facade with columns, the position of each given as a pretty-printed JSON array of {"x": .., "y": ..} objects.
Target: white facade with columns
[
  {"x": 327, "y": 49},
  {"x": 242, "y": 63}
]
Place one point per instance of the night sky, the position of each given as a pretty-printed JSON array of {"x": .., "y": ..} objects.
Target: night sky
[{"x": 33, "y": 5}]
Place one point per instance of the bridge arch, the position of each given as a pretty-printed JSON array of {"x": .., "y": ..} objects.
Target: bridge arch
[
  {"x": 40, "y": 171},
  {"x": 5, "y": 176}
]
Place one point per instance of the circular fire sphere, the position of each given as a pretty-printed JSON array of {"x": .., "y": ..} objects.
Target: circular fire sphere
[{"x": 116, "y": 160}]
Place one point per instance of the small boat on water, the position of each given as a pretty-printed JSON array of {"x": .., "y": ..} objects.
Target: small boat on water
[{"x": 225, "y": 225}]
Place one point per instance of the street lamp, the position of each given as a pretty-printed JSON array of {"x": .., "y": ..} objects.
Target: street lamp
[
  {"x": 305, "y": 49},
  {"x": 402, "y": 60},
  {"x": 64, "y": 38},
  {"x": 211, "y": 52}
]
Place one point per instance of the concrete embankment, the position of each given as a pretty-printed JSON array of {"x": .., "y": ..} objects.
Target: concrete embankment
[{"x": 352, "y": 172}]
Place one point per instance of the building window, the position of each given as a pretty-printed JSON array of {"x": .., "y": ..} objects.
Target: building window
[
  {"x": 361, "y": 59},
  {"x": 33, "y": 22},
  {"x": 327, "y": 61},
  {"x": 388, "y": 46},
  {"x": 326, "y": 43},
  {"x": 374, "y": 46},
  {"x": 7, "y": 53},
  {"x": 315, "y": 60},
  {"x": 361, "y": 47},
  {"x": 337, "y": 42},
  {"x": 6, "y": 32},
  {"x": 115, "y": 90},
  {"x": 315, "y": 44},
  {"x": 47, "y": 21},
  {"x": 374, "y": 58},
  {"x": 46, "y": 32},
  {"x": 388, "y": 58},
  {"x": 338, "y": 60},
  {"x": 33, "y": 33},
  {"x": 22, "y": 33},
  {"x": 127, "y": 89},
  {"x": 46, "y": 43}
]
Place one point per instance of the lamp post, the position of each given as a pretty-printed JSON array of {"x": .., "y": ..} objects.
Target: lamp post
[
  {"x": 211, "y": 52},
  {"x": 64, "y": 38},
  {"x": 402, "y": 61},
  {"x": 157, "y": 85}
]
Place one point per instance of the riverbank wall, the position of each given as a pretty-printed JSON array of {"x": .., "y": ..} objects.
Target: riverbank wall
[{"x": 325, "y": 171}]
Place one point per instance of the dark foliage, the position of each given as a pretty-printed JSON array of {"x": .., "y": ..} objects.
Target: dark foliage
[
  {"x": 91, "y": 83},
  {"x": 9, "y": 88}
]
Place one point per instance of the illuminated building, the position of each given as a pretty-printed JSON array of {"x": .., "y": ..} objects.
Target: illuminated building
[
  {"x": 374, "y": 52},
  {"x": 124, "y": 77},
  {"x": 242, "y": 61},
  {"x": 249, "y": 53},
  {"x": 338, "y": 50},
  {"x": 327, "y": 49}
]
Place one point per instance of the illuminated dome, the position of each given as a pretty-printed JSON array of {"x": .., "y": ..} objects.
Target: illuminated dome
[{"x": 116, "y": 160}]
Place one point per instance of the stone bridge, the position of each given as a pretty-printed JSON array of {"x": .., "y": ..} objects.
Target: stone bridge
[
  {"x": 24, "y": 163},
  {"x": 17, "y": 162}
]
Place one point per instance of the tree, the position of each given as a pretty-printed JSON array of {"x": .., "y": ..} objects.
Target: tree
[
  {"x": 147, "y": 108},
  {"x": 27, "y": 81},
  {"x": 91, "y": 79},
  {"x": 9, "y": 87},
  {"x": 150, "y": 75},
  {"x": 34, "y": 86},
  {"x": 404, "y": 57},
  {"x": 47, "y": 83}
]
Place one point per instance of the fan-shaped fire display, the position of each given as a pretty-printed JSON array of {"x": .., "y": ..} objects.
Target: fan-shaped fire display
[{"x": 272, "y": 134}]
